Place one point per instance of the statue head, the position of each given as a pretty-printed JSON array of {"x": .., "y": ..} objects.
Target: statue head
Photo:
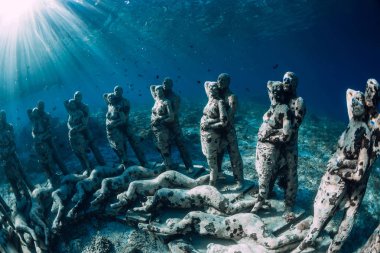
[
  {"x": 78, "y": 96},
  {"x": 72, "y": 104},
  {"x": 111, "y": 98},
  {"x": 290, "y": 81},
  {"x": 41, "y": 106},
  {"x": 167, "y": 84},
  {"x": 371, "y": 93},
  {"x": 159, "y": 91},
  {"x": 213, "y": 89},
  {"x": 277, "y": 92},
  {"x": 118, "y": 91},
  {"x": 358, "y": 105},
  {"x": 224, "y": 81}
]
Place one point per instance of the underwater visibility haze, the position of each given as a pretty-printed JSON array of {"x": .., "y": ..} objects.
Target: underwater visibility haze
[{"x": 51, "y": 48}]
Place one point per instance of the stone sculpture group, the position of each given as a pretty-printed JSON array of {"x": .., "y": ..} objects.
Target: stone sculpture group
[{"x": 26, "y": 227}]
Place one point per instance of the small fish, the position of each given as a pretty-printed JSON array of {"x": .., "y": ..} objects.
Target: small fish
[
  {"x": 208, "y": 70},
  {"x": 198, "y": 81},
  {"x": 18, "y": 118},
  {"x": 157, "y": 77},
  {"x": 140, "y": 75},
  {"x": 247, "y": 89},
  {"x": 275, "y": 66},
  {"x": 191, "y": 46},
  {"x": 54, "y": 108},
  {"x": 178, "y": 77},
  {"x": 140, "y": 94}
]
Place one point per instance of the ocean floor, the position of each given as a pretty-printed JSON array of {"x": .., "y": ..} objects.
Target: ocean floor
[{"x": 317, "y": 141}]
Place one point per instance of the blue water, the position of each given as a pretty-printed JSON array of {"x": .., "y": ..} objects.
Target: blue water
[{"x": 93, "y": 45}]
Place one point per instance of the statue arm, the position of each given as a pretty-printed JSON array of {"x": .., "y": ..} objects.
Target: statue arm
[
  {"x": 299, "y": 113},
  {"x": 207, "y": 89},
  {"x": 349, "y": 95},
  {"x": 222, "y": 120},
  {"x": 105, "y": 98},
  {"x": 170, "y": 117},
  {"x": 361, "y": 165},
  {"x": 152, "y": 91},
  {"x": 233, "y": 104}
]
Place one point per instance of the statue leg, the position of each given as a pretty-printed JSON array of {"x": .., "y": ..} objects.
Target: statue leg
[
  {"x": 331, "y": 193},
  {"x": 210, "y": 142},
  {"x": 163, "y": 145},
  {"x": 56, "y": 158},
  {"x": 352, "y": 204},
  {"x": 180, "y": 143},
  {"x": 97, "y": 155},
  {"x": 136, "y": 147},
  {"x": 234, "y": 153},
  {"x": 266, "y": 161},
  {"x": 291, "y": 178},
  {"x": 373, "y": 243}
]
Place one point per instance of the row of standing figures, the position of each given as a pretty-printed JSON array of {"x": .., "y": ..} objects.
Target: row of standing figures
[{"x": 343, "y": 184}]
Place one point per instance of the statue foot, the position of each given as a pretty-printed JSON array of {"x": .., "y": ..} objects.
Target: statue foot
[
  {"x": 119, "y": 205},
  {"x": 140, "y": 209},
  {"x": 257, "y": 206},
  {"x": 237, "y": 187}
]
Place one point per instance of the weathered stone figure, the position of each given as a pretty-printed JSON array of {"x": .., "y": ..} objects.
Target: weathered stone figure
[
  {"x": 213, "y": 121},
  {"x": 120, "y": 183},
  {"x": 169, "y": 178},
  {"x": 115, "y": 118},
  {"x": 9, "y": 160},
  {"x": 174, "y": 126},
  {"x": 288, "y": 177},
  {"x": 162, "y": 115},
  {"x": 205, "y": 196},
  {"x": 345, "y": 180},
  {"x": 122, "y": 105},
  {"x": 86, "y": 187},
  {"x": 274, "y": 133},
  {"x": 373, "y": 243},
  {"x": 236, "y": 227},
  {"x": 61, "y": 196},
  {"x": 85, "y": 130},
  {"x": 43, "y": 141},
  {"x": 229, "y": 132},
  {"x": 78, "y": 142}
]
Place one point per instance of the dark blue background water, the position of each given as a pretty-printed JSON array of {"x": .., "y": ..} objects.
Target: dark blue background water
[{"x": 330, "y": 44}]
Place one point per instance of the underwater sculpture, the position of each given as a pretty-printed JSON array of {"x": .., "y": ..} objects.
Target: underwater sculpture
[
  {"x": 78, "y": 97},
  {"x": 274, "y": 133},
  {"x": 213, "y": 120},
  {"x": 76, "y": 124},
  {"x": 61, "y": 197},
  {"x": 41, "y": 203},
  {"x": 10, "y": 162},
  {"x": 229, "y": 132},
  {"x": 9, "y": 241},
  {"x": 87, "y": 186},
  {"x": 120, "y": 183},
  {"x": 162, "y": 114},
  {"x": 118, "y": 127},
  {"x": 345, "y": 181},
  {"x": 373, "y": 243},
  {"x": 174, "y": 127},
  {"x": 43, "y": 142},
  {"x": 167, "y": 179},
  {"x": 288, "y": 176},
  {"x": 236, "y": 227},
  {"x": 203, "y": 196}
]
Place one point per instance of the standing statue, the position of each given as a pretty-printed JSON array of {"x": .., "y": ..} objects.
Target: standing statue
[
  {"x": 78, "y": 142},
  {"x": 10, "y": 162},
  {"x": 240, "y": 226},
  {"x": 43, "y": 141},
  {"x": 85, "y": 130},
  {"x": 162, "y": 115},
  {"x": 274, "y": 134},
  {"x": 345, "y": 180},
  {"x": 229, "y": 132},
  {"x": 121, "y": 106},
  {"x": 288, "y": 177},
  {"x": 213, "y": 121},
  {"x": 173, "y": 126}
]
